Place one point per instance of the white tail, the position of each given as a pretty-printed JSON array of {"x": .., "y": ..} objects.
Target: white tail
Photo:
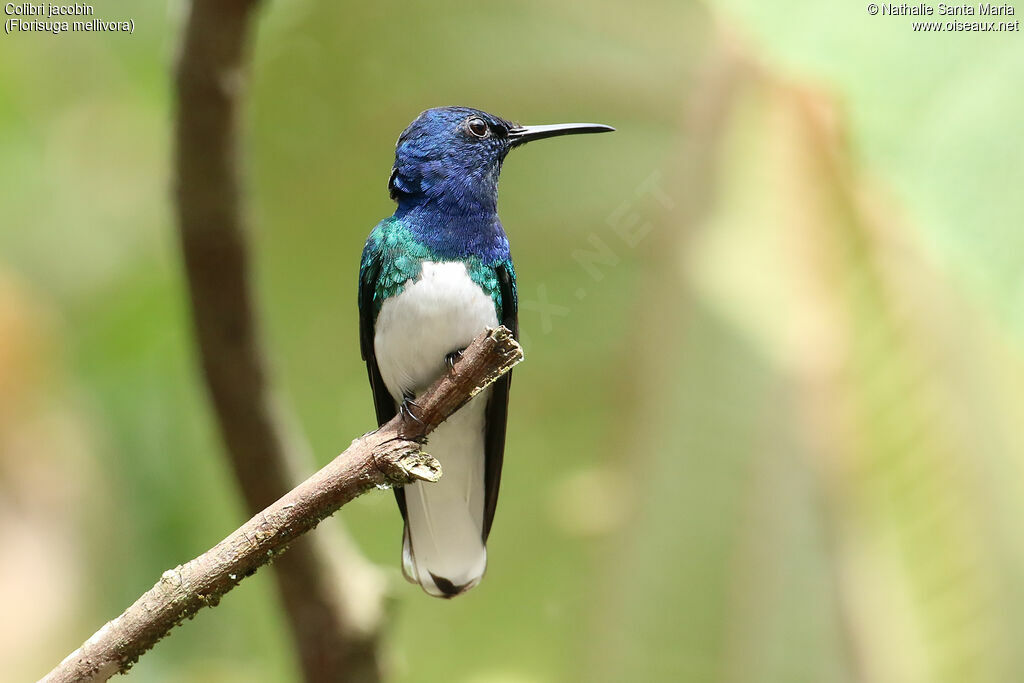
[{"x": 442, "y": 548}]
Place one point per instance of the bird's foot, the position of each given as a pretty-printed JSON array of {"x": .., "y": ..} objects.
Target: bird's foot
[
  {"x": 453, "y": 357},
  {"x": 406, "y": 408}
]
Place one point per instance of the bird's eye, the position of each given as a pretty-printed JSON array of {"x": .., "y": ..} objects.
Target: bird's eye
[{"x": 477, "y": 126}]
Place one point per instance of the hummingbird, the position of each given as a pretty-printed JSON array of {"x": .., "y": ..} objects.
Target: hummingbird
[{"x": 432, "y": 277}]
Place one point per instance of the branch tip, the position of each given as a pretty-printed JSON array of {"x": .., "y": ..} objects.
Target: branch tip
[{"x": 421, "y": 466}]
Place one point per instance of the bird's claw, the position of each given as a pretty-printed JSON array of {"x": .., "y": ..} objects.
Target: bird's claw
[
  {"x": 406, "y": 408},
  {"x": 453, "y": 357}
]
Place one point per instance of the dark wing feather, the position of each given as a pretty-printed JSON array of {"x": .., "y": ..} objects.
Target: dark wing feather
[
  {"x": 497, "y": 405},
  {"x": 382, "y": 401}
]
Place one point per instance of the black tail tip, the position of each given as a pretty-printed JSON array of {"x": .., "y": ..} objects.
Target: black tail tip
[{"x": 449, "y": 589}]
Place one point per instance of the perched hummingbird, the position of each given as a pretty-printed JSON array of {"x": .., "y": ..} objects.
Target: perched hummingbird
[{"x": 432, "y": 277}]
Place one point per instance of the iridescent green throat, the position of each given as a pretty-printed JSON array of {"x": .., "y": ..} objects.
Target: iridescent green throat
[{"x": 401, "y": 256}]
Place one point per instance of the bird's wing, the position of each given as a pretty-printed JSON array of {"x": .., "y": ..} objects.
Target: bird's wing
[
  {"x": 383, "y": 403},
  {"x": 368, "y": 272},
  {"x": 497, "y": 405}
]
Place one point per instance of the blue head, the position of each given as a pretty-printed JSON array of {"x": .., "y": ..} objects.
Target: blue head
[
  {"x": 451, "y": 157},
  {"x": 445, "y": 177}
]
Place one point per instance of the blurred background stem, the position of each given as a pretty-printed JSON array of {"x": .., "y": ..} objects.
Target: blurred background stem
[{"x": 330, "y": 595}]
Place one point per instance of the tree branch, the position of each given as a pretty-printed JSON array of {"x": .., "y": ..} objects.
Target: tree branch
[
  {"x": 331, "y": 594},
  {"x": 390, "y": 456}
]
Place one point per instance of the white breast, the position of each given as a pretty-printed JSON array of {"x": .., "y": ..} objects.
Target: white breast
[{"x": 439, "y": 313}]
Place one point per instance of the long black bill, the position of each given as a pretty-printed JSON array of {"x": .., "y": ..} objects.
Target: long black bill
[{"x": 523, "y": 134}]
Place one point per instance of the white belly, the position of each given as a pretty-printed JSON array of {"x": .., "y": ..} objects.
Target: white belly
[{"x": 439, "y": 313}]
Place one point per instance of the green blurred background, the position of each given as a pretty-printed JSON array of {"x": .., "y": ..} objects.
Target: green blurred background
[{"x": 769, "y": 424}]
